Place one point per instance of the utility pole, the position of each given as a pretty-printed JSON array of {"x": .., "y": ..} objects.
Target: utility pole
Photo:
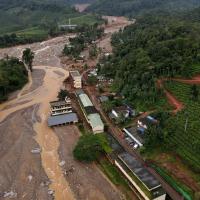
[{"x": 186, "y": 122}]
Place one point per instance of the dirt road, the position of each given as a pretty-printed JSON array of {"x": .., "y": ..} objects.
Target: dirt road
[{"x": 23, "y": 130}]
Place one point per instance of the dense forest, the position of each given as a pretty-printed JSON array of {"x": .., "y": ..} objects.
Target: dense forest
[
  {"x": 13, "y": 75},
  {"x": 155, "y": 46},
  {"x": 134, "y": 7}
]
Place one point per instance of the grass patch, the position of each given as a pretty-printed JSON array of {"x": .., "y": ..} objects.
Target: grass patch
[
  {"x": 179, "y": 187},
  {"x": 33, "y": 32},
  {"x": 195, "y": 70},
  {"x": 86, "y": 19}
]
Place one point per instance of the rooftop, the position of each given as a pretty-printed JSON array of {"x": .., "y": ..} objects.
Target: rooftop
[
  {"x": 90, "y": 110},
  {"x": 85, "y": 100},
  {"x": 62, "y": 119},
  {"x": 75, "y": 73},
  {"x": 139, "y": 171},
  {"x": 57, "y": 103},
  {"x": 137, "y": 135},
  {"x": 103, "y": 99},
  {"x": 95, "y": 120},
  {"x": 79, "y": 91},
  {"x": 148, "y": 120}
]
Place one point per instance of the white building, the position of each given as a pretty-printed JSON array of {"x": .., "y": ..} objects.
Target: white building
[
  {"x": 77, "y": 79},
  {"x": 61, "y": 107},
  {"x": 90, "y": 113}
]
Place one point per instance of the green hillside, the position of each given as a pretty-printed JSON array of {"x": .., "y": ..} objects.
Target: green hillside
[
  {"x": 13, "y": 76},
  {"x": 135, "y": 7},
  {"x": 34, "y": 20},
  {"x": 155, "y": 46}
]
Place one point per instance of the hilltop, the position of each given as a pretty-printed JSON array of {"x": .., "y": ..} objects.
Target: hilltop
[
  {"x": 133, "y": 8},
  {"x": 34, "y": 19}
]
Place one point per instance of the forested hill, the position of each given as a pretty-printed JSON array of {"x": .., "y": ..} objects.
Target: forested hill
[
  {"x": 135, "y": 7},
  {"x": 155, "y": 46},
  {"x": 23, "y": 14},
  {"x": 26, "y": 21}
]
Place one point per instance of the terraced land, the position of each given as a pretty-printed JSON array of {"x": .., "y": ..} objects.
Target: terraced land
[{"x": 184, "y": 127}]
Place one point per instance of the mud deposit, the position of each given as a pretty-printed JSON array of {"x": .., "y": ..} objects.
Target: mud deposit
[
  {"x": 86, "y": 181},
  {"x": 20, "y": 170}
]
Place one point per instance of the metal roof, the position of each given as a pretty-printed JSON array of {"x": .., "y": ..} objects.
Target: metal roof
[
  {"x": 58, "y": 103},
  {"x": 62, "y": 119},
  {"x": 90, "y": 110},
  {"x": 85, "y": 100},
  {"x": 75, "y": 74},
  {"x": 79, "y": 91},
  {"x": 135, "y": 135},
  {"x": 95, "y": 120},
  {"x": 103, "y": 98},
  {"x": 140, "y": 171}
]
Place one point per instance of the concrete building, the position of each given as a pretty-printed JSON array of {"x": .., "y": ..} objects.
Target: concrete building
[
  {"x": 90, "y": 113},
  {"x": 142, "y": 180},
  {"x": 77, "y": 79},
  {"x": 61, "y": 107},
  {"x": 62, "y": 113},
  {"x": 67, "y": 26},
  {"x": 64, "y": 119}
]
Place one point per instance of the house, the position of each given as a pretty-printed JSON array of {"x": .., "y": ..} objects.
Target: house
[
  {"x": 96, "y": 123},
  {"x": 103, "y": 99},
  {"x": 121, "y": 111},
  {"x": 146, "y": 122},
  {"x": 93, "y": 72},
  {"x": 64, "y": 119},
  {"x": 67, "y": 27},
  {"x": 77, "y": 79},
  {"x": 136, "y": 134},
  {"x": 61, "y": 107},
  {"x": 141, "y": 179},
  {"x": 90, "y": 112}
]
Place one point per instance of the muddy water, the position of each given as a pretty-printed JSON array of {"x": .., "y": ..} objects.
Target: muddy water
[
  {"x": 49, "y": 142},
  {"x": 45, "y": 136}
]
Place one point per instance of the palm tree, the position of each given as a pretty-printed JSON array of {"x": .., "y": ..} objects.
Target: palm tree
[{"x": 28, "y": 57}]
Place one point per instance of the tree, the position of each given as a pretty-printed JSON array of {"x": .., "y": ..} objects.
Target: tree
[
  {"x": 194, "y": 92},
  {"x": 62, "y": 94},
  {"x": 90, "y": 147},
  {"x": 93, "y": 51},
  {"x": 28, "y": 57},
  {"x": 92, "y": 80},
  {"x": 107, "y": 106}
]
